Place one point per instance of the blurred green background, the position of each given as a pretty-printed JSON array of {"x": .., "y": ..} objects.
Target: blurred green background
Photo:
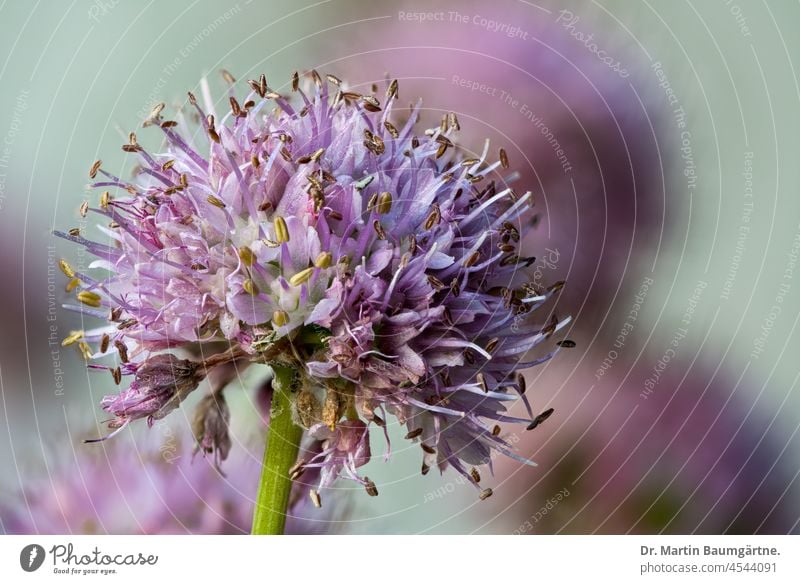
[{"x": 710, "y": 215}]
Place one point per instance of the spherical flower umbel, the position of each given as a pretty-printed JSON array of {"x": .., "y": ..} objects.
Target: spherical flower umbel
[{"x": 378, "y": 264}]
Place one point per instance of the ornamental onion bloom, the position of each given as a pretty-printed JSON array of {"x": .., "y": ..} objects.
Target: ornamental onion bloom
[{"x": 376, "y": 261}]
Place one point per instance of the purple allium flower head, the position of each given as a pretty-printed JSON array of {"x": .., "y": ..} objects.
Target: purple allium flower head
[{"x": 379, "y": 263}]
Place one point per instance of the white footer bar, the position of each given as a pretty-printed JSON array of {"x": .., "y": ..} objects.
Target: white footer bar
[{"x": 333, "y": 559}]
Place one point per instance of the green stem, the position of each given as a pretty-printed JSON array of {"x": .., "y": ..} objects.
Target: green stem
[{"x": 283, "y": 442}]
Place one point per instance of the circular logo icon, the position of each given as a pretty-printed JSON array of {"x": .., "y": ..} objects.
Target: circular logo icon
[{"x": 31, "y": 557}]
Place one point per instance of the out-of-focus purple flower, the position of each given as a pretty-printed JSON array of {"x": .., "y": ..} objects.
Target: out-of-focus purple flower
[
  {"x": 695, "y": 457},
  {"x": 381, "y": 264},
  {"x": 121, "y": 490}
]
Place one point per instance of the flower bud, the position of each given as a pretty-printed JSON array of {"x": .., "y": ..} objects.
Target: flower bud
[
  {"x": 210, "y": 427},
  {"x": 161, "y": 383}
]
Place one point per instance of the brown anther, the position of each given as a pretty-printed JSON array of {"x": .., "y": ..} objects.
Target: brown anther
[
  {"x": 297, "y": 470},
  {"x": 521, "y": 383},
  {"x": 372, "y": 200},
  {"x": 416, "y": 432},
  {"x": 481, "y": 379},
  {"x": 436, "y": 282},
  {"x": 95, "y": 167},
  {"x": 122, "y": 350},
  {"x": 372, "y": 490},
  {"x": 104, "y": 342},
  {"x": 315, "y": 498},
  {"x": 426, "y": 448},
  {"x": 116, "y": 373},
  {"x": 371, "y": 104},
  {"x": 412, "y": 244},
  {"x": 452, "y": 121},
  {"x": 434, "y": 217},
  {"x": 492, "y": 345},
  {"x": 236, "y": 109},
  {"x": 379, "y": 230},
  {"x": 391, "y": 129},
  {"x": 472, "y": 259},
  {"x": 392, "y": 91},
  {"x": 127, "y": 323},
  {"x": 485, "y": 494},
  {"x": 503, "y": 158},
  {"x": 540, "y": 418},
  {"x": 476, "y": 476}
]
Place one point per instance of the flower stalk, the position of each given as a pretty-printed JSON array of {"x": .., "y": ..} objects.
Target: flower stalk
[{"x": 283, "y": 442}]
